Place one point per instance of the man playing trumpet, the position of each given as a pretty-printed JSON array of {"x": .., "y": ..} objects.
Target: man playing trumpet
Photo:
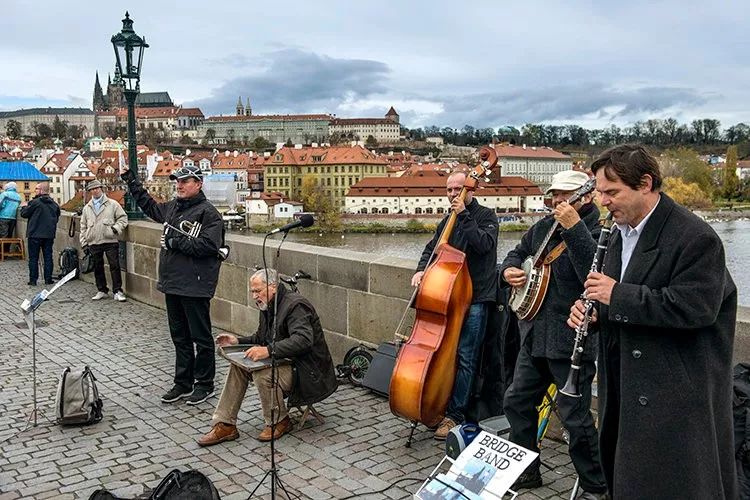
[{"x": 188, "y": 273}]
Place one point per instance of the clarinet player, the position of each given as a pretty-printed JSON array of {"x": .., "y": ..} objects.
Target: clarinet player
[
  {"x": 667, "y": 308},
  {"x": 546, "y": 342}
]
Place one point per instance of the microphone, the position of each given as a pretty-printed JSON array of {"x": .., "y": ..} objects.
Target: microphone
[{"x": 306, "y": 220}]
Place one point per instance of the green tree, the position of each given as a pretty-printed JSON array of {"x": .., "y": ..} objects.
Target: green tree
[
  {"x": 315, "y": 199},
  {"x": 686, "y": 164},
  {"x": 59, "y": 128},
  {"x": 731, "y": 184},
  {"x": 210, "y": 136},
  {"x": 14, "y": 129},
  {"x": 371, "y": 142},
  {"x": 261, "y": 144}
]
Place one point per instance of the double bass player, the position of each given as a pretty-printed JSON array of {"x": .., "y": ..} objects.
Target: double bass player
[{"x": 475, "y": 234}]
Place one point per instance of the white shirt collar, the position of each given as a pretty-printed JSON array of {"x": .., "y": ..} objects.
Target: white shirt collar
[{"x": 626, "y": 230}]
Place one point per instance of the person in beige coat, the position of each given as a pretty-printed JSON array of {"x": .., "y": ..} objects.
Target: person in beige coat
[{"x": 102, "y": 222}]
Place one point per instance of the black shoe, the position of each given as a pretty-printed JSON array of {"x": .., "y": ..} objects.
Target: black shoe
[
  {"x": 175, "y": 394},
  {"x": 31, "y": 283},
  {"x": 199, "y": 395},
  {"x": 49, "y": 282},
  {"x": 529, "y": 479},
  {"x": 589, "y": 495}
]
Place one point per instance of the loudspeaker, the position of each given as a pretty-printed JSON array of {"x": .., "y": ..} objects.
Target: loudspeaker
[{"x": 378, "y": 376}]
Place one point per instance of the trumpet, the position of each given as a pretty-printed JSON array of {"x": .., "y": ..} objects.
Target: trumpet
[
  {"x": 192, "y": 230},
  {"x": 189, "y": 229}
]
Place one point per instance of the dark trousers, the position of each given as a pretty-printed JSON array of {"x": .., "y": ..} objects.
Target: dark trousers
[
  {"x": 190, "y": 326},
  {"x": 45, "y": 245},
  {"x": 112, "y": 251},
  {"x": 467, "y": 358},
  {"x": 531, "y": 379},
  {"x": 7, "y": 227}
]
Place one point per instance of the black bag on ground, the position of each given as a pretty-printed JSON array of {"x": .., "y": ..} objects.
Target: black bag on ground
[
  {"x": 87, "y": 262},
  {"x": 68, "y": 261},
  {"x": 188, "y": 485},
  {"x": 78, "y": 401},
  {"x": 741, "y": 410}
]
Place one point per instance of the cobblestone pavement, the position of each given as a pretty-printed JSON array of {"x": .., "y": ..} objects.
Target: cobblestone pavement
[{"x": 359, "y": 449}]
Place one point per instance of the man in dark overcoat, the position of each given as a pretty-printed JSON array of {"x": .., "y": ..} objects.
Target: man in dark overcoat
[{"x": 667, "y": 308}]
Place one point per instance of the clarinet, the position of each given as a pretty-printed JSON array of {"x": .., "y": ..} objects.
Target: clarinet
[{"x": 572, "y": 384}]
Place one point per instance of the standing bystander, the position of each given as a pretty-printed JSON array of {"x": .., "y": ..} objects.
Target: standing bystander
[
  {"x": 43, "y": 213},
  {"x": 103, "y": 220}
]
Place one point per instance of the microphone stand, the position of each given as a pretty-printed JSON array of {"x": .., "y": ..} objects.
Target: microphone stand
[{"x": 273, "y": 472}]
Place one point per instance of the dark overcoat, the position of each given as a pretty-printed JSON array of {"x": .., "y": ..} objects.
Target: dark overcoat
[
  {"x": 665, "y": 363},
  {"x": 300, "y": 338},
  {"x": 552, "y": 338}
]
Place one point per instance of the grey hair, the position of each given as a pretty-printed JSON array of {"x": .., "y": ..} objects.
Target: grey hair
[{"x": 267, "y": 275}]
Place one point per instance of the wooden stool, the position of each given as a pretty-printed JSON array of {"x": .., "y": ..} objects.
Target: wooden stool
[
  {"x": 9, "y": 252},
  {"x": 306, "y": 412}
]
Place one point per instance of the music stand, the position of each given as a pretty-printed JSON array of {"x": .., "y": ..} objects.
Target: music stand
[
  {"x": 29, "y": 308},
  {"x": 273, "y": 472}
]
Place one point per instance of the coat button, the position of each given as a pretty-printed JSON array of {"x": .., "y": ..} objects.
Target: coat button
[
  {"x": 618, "y": 317},
  {"x": 636, "y": 353},
  {"x": 624, "y": 319},
  {"x": 643, "y": 400}
]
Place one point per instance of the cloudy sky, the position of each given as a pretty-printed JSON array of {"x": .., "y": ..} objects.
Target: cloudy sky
[{"x": 483, "y": 63}]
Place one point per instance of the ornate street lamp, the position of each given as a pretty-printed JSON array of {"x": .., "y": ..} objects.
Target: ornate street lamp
[{"x": 129, "y": 49}]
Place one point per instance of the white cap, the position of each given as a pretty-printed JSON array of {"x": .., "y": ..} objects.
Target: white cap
[
  {"x": 567, "y": 180},
  {"x": 10, "y": 185}
]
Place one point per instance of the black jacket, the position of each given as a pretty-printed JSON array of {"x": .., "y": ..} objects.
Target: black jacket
[
  {"x": 552, "y": 338},
  {"x": 475, "y": 234},
  {"x": 43, "y": 214},
  {"x": 301, "y": 339},
  {"x": 190, "y": 267},
  {"x": 665, "y": 363}
]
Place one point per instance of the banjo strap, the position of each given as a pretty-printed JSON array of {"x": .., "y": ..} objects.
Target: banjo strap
[{"x": 554, "y": 254}]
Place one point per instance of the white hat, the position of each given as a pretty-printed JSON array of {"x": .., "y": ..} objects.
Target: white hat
[
  {"x": 567, "y": 180},
  {"x": 10, "y": 185}
]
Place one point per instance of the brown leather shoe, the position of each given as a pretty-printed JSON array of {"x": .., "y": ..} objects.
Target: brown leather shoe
[
  {"x": 281, "y": 428},
  {"x": 218, "y": 434},
  {"x": 444, "y": 428}
]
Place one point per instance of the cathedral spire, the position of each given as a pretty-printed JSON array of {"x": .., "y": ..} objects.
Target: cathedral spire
[
  {"x": 240, "y": 109},
  {"x": 98, "y": 104},
  {"x": 248, "y": 109}
]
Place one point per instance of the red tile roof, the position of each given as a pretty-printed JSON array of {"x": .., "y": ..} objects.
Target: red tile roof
[
  {"x": 165, "y": 167},
  {"x": 333, "y": 155},
  {"x": 252, "y": 118},
  {"x": 362, "y": 121},
  {"x": 435, "y": 185},
  {"x": 511, "y": 151}
]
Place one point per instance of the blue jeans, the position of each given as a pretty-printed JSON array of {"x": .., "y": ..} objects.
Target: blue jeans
[
  {"x": 469, "y": 347},
  {"x": 45, "y": 244}
]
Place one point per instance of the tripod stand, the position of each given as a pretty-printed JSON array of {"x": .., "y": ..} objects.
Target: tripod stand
[
  {"x": 29, "y": 308},
  {"x": 273, "y": 471}
]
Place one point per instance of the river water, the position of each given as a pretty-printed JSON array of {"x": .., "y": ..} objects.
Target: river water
[{"x": 735, "y": 235}]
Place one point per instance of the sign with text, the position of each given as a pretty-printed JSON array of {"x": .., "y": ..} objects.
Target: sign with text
[{"x": 487, "y": 468}]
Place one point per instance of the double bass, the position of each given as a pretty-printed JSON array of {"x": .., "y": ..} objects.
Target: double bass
[{"x": 423, "y": 376}]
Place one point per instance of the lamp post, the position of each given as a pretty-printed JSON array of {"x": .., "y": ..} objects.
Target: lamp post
[{"x": 129, "y": 49}]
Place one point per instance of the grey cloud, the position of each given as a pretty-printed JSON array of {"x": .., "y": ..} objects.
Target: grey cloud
[
  {"x": 295, "y": 81},
  {"x": 562, "y": 102}
]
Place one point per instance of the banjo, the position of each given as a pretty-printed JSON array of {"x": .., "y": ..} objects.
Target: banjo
[{"x": 526, "y": 299}]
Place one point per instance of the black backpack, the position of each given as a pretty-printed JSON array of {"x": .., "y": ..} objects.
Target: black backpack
[
  {"x": 68, "y": 261},
  {"x": 741, "y": 409},
  {"x": 188, "y": 485}
]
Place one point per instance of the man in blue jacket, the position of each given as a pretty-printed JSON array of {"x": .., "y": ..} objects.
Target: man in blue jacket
[
  {"x": 10, "y": 200},
  {"x": 43, "y": 213}
]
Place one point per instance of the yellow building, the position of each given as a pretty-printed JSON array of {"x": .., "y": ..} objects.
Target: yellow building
[{"x": 334, "y": 168}]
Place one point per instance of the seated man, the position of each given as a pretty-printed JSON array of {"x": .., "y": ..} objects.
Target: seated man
[{"x": 308, "y": 379}]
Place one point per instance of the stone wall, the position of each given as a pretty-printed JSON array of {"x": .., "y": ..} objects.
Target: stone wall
[{"x": 359, "y": 297}]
